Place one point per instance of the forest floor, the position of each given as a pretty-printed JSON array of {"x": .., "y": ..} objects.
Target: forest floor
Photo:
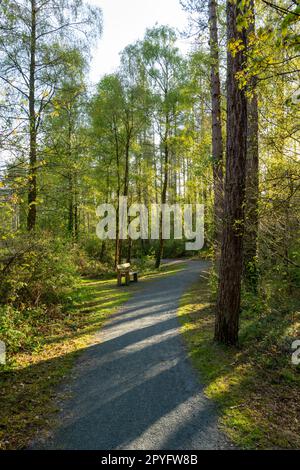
[
  {"x": 30, "y": 379},
  {"x": 134, "y": 387},
  {"x": 255, "y": 386}
]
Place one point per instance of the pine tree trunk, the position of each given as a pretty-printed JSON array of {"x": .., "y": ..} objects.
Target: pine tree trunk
[
  {"x": 32, "y": 178},
  {"x": 228, "y": 301},
  {"x": 217, "y": 141}
]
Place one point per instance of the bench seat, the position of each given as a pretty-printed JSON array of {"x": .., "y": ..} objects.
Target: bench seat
[{"x": 123, "y": 270}]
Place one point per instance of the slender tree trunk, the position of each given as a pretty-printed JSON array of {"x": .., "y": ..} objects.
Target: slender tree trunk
[
  {"x": 76, "y": 214},
  {"x": 118, "y": 241},
  {"x": 117, "y": 245},
  {"x": 70, "y": 185},
  {"x": 163, "y": 194},
  {"x": 217, "y": 141},
  {"x": 252, "y": 179},
  {"x": 71, "y": 207},
  {"x": 126, "y": 174},
  {"x": 129, "y": 249},
  {"x": 102, "y": 251},
  {"x": 126, "y": 189},
  {"x": 32, "y": 177},
  {"x": 228, "y": 301}
]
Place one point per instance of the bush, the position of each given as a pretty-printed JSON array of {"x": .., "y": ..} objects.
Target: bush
[
  {"x": 102, "y": 251},
  {"x": 37, "y": 271},
  {"x": 19, "y": 328},
  {"x": 87, "y": 266}
]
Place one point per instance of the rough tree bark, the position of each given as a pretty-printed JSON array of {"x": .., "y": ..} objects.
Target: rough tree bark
[
  {"x": 32, "y": 177},
  {"x": 217, "y": 141},
  {"x": 252, "y": 178},
  {"x": 228, "y": 301}
]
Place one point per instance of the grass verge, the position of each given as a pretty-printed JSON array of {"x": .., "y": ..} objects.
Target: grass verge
[
  {"x": 29, "y": 380},
  {"x": 255, "y": 386}
]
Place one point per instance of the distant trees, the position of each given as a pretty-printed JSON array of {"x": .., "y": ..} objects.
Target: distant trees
[
  {"x": 203, "y": 9},
  {"x": 141, "y": 107},
  {"x": 38, "y": 40},
  {"x": 164, "y": 68},
  {"x": 118, "y": 112},
  {"x": 66, "y": 150}
]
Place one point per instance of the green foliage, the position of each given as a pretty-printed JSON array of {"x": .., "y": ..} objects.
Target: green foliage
[
  {"x": 37, "y": 271},
  {"x": 175, "y": 248},
  {"x": 88, "y": 260},
  {"x": 19, "y": 327}
]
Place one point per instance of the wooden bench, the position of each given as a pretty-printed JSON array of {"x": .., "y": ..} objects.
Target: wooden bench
[{"x": 123, "y": 270}]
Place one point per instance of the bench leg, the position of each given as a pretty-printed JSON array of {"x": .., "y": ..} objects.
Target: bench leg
[
  {"x": 127, "y": 277},
  {"x": 135, "y": 277}
]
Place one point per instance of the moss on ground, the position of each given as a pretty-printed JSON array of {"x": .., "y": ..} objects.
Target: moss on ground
[{"x": 255, "y": 386}]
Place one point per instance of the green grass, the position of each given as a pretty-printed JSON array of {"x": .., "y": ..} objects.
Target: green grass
[
  {"x": 29, "y": 380},
  {"x": 255, "y": 386}
]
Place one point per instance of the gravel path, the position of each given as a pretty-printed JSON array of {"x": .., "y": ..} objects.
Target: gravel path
[{"x": 135, "y": 387}]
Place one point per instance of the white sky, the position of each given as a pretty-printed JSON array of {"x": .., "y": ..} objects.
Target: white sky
[{"x": 125, "y": 21}]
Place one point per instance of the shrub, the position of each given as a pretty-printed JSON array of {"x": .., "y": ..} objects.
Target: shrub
[
  {"x": 36, "y": 271},
  {"x": 19, "y": 328}
]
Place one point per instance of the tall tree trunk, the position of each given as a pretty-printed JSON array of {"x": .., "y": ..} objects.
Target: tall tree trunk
[
  {"x": 117, "y": 245},
  {"x": 126, "y": 174},
  {"x": 71, "y": 207},
  {"x": 163, "y": 194},
  {"x": 70, "y": 181},
  {"x": 228, "y": 302},
  {"x": 129, "y": 249},
  {"x": 217, "y": 142},
  {"x": 76, "y": 214},
  {"x": 118, "y": 241},
  {"x": 32, "y": 177},
  {"x": 252, "y": 179},
  {"x": 126, "y": 188},
  {"x": 102, "y": 251}
]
